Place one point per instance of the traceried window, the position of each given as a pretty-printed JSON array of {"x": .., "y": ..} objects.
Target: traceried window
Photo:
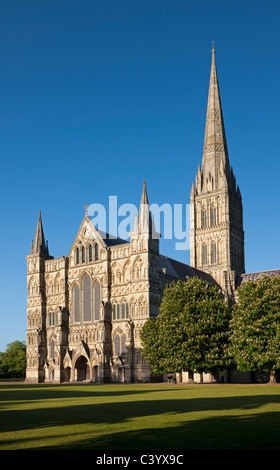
[
  {"x": 119, "y": 343},
  {"x": 87, "y": 298},
  {"x": 76, "y": 303}
]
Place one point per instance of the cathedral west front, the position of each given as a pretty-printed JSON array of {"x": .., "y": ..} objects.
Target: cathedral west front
[{"x": 85, "y": 310}]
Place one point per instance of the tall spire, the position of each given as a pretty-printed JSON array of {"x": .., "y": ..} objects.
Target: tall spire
[
  {"x": 39, "y": 246},
  {"x": 215, "y": 152},
  {"x": 216, "y": 213}
]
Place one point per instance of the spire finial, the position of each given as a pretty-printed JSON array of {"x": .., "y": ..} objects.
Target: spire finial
[
  {"x": 86, "y": 209},
  {"x": 213, "y": 46}
]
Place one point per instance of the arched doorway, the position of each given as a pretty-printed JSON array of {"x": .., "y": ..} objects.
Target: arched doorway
[
  {"x": 94, "y": 374},
  {"x": 51, "y": 375},
  {"x": 67, "y": 374},
  {"x": 121, "y": 375},
  {"x": 82, "y": 369}
]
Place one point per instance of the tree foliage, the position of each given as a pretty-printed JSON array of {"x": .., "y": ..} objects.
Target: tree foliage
[
  {"x": 13, "y": 360},
  {"x": 191, "y": 331},
  {"x": 255, "y": 325}
]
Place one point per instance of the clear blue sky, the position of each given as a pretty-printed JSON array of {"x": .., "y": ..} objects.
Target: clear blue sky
[{"x": 96, "y": 96}]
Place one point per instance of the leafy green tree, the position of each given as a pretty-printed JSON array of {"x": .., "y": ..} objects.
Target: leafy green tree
[
  {"x": 13, "y": 360},
  {"x": 149, "y": 336},
  {"x": 191, "y": 332},
  {"x": 255, "y": 326}
]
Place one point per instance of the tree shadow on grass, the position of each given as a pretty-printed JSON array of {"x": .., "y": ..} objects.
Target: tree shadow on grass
[
  {"x": 36, "y": 392},
  {"x": 220, "y": 433},
  {"x": 254, "y": 430}
]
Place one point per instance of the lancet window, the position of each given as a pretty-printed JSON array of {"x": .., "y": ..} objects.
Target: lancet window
[
  {"x": 76, "y": 303},
  {"x": 97, "y": 300},
  {"x": 87, "y": 298},
  {"x": 213, "y": 253},
  {"x": 204, "y": 255},
  {"x": 203, "y": 218},
  {"x": 120, "y": 310}
]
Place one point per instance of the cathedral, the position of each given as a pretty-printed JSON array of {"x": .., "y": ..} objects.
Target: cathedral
[{"x": 85, "y": 310}]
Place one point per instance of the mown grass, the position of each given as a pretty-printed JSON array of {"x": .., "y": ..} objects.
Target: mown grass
[{"x": 140, "y": 417}]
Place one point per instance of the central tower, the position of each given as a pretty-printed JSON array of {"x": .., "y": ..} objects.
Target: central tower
[{"x": 216, "y": 213}]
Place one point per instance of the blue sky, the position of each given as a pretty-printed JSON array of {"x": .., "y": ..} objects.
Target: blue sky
[{"x": 96, "y": 96}]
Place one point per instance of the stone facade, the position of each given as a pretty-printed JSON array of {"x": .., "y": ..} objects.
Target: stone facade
[{"x": 85, "y": 310}]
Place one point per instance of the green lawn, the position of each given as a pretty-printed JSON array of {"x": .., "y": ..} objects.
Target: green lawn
[{"x": 141, "y": 417}]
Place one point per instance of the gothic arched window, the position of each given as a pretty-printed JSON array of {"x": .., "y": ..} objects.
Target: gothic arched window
[
  {"x": 117, "y": 346},
  {"x": 90, "y": 253},
  {"x": 204, "y": 255},
  {"x": 213, "y": 253},
  {"x": 97, "y": 300},
  {"x": 120, "y": 310},
  {"x": 76, "y": 303},
  {"x": 114, "y": 311},
  {"x": 119, "y": 343},
  {"x": 52, "y": 318},
  {"x": 213, "y": 216},
  {"x": 87, "y": 298},
  {"x": 77, "y": 255},
  {"x": 203, "y": 218},
  {"x": 83, "y": 254},
  {"x": 126, "y": 310},
  {"x": 96, "y": 252},
  {"x": 52, "y": 354}
]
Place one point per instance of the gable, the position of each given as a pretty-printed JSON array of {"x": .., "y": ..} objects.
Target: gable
[{"x": 87, "y": 234}]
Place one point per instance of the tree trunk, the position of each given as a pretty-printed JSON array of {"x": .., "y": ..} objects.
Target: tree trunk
[
  {"x": 190, "y": 379},
  {"x": 272, "y": 379}
]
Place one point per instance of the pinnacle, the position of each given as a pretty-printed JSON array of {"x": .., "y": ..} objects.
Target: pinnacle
[{"x": 39, "y": 246}]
